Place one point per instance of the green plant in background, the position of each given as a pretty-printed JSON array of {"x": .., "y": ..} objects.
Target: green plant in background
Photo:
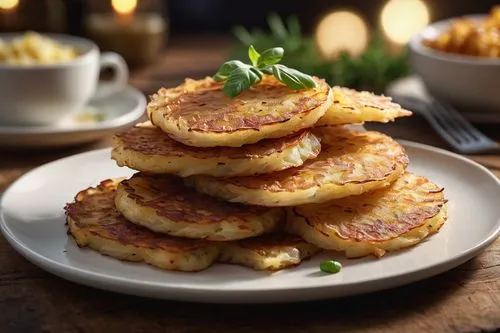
[{"x": 372, "y": 70}]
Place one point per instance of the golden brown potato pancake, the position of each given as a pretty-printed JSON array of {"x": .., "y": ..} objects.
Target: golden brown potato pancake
[
  {"x": 147, "y": 148},
  {"x": 357, "y": 107},
  {"x": 268, "y": 252},
  {"x": 388, "y": 219},
  {"x": 350, "y": 163},
  {"x": 94, "y": 222},
  {"x": 198, "y": 113},
  {"x": 163, "y": 203}
]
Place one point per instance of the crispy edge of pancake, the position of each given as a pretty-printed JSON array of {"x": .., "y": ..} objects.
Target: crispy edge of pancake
[
  {"x": 97, "y": 238},
  {"x": 268, "y": 252},
  {"x": 316, "y": 194},
  {"x": 306, "y": 148},
  {"x": 357, "y": 107},
  {"x": 239, "y": 137},
  {"x": 271, "y": 252},
  {"x": 300, "y": 225},
  {"x": 231, "y": 228},
  {"x": 353, "y": 249}
]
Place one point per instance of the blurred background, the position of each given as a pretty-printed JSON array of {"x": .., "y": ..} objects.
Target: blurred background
[
  {"x": 355, "y": 43},
  {"x": 202, "y": 16}
]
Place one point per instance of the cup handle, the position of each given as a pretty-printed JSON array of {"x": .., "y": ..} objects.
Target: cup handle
[{"x": 121, "y": 75}]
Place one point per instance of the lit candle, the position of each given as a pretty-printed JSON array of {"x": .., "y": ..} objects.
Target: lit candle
[
  {"x": 401, "y": 19},
  {"x": 137, "y": 36},
  {"x": 8, "y": 14},
  {"x": 341, "y": 31},
  {"x": 124, "y": 9}
]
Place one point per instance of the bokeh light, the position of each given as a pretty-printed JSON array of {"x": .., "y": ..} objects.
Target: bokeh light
[
  {"x": 341, "y": 31},
  {"x": 8, "y": 4},
  {"x": 124, "y": 6},
  {"x": 401, "y": 19}
]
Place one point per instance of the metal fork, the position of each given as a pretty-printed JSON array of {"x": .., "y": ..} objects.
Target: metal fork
[{"x": 450, "y": 125}]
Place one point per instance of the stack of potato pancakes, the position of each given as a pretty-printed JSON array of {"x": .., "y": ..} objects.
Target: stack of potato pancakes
[{"x": 265, "y": 179}]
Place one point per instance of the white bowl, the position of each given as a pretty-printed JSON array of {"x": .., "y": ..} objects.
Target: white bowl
[{"x": 469, "y": 82}]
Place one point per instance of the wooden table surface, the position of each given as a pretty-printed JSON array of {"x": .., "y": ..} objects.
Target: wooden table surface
[{"x": 465, "y": 299}]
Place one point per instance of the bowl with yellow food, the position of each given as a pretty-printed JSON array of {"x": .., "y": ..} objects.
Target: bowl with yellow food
[
  {"x": 458, "y": 60},
  {"x": 44, "y": 77}
]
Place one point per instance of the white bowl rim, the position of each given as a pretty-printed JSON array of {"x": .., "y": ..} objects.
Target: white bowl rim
[
  {"x": 91, "y": 49},
  {"x": 415, "y": 45}
]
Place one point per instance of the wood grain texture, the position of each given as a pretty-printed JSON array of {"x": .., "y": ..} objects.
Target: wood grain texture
[{"x": 465, "y": 299}]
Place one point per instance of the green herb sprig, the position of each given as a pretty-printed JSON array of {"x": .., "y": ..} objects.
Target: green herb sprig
[
  {"x": 239, "y": 76},
  {"x": 373, "y": 70}
]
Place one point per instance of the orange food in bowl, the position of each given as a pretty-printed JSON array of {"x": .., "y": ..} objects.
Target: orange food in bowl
[{"x": 471, "y": 37}]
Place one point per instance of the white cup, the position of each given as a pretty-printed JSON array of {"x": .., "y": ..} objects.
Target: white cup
[{"x": 41, "y": 94}]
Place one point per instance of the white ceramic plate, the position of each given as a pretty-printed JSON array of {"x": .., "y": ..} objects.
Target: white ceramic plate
[
  {"x": 117, "y": 112},
  {"x": 32, "y": 220}
]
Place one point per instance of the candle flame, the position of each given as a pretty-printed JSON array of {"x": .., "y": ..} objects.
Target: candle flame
[
  {"x": 341, "y": 31},
  {"x": 123, "y": 7},
  {"x": 401, "y": 19},
  {"x": 8, "y": 4}
]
